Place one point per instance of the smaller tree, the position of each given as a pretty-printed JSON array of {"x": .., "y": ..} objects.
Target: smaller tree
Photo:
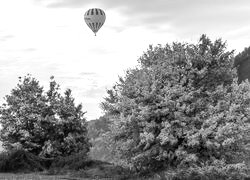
[
  {"x": 21, "y": 114},
  {"x": 71, "y": 127},
  {"x": 43, "y": 123}
]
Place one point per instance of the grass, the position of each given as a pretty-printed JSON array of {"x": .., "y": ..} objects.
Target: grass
[
  {"x": 34, "y": 176},
  {"x": 19, "y": 164}
]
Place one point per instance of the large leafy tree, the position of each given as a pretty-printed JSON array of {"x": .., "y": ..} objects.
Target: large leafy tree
[
  {"x": 181, "y": 107},
  {"x": 43, "y": 123}
]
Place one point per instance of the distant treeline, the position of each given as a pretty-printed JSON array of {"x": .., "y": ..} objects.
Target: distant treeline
[{"x": 242, "y": 63}]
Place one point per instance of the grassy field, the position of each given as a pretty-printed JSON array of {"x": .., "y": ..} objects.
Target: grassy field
[{"x": 33, "y": 176}]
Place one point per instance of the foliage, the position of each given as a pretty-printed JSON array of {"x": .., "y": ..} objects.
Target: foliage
[
  {"x": 217, "y": 170},
  {"x": 98, "y": 127},
  {"x": 19, "y": 160},
  {"x": 242, "y": 63},
  {"x": 181, "y": 107},
  {"x": 43, "y": 123},
  {"x": 80, "y": 166},
  {"x": 19, "y": 116},
  {"x": 98, "y": 133},
  {"x": 102, "y": 149},
  {"x": 73, "y": 162}
]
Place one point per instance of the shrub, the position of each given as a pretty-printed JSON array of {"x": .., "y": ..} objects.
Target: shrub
[
  {"x": 73, "y": 162},
  {"x": 218, "y": 170},
  {"x": 20, "y": 160}
]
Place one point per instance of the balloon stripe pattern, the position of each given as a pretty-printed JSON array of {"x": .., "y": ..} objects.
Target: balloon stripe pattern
[{"x": 95, "y": 19}]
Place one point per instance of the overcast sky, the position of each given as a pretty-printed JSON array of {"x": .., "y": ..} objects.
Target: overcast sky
[{"x": 50, "y": 37}]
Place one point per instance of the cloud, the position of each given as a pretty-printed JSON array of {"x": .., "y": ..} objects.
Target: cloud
[
  {"x": 100, "y": 50},
  {"x": 81, "y": 76},
  {"x": 181, "y": 17},
  {"x": 88, "y": 85},
  {"x": 71, "y": 78},
  {"x": 240, "y": 32},
  {"x": 238, "y": 38},
  {"x": 7, "y": 63},
  {"x": 94, "y": 92},
  {"x": 63, "y": 3},
  {"x": 29, "y": 49},
  {"x": 87, "y": 74},
  {"x": 6, "y": 37}
]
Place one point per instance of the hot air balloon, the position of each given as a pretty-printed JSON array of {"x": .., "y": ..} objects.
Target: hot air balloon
[{"x": 95, "y": 18}]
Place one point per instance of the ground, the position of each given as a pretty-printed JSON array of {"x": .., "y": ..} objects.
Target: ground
[{"x": 33, "y": 176}]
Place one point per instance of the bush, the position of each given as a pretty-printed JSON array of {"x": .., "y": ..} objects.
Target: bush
[
  {"x": 21, "y": 161},
  {"x": 100, "y": 170},
  {"x": 73, "y": 162},
  {"x": 78, "y": 165},
  {"x": 3, "y": 161},
  {"x": 218, "y": 170}
]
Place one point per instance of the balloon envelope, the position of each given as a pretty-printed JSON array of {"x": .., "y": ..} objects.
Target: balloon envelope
[{"x": 95, "y": 18}]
